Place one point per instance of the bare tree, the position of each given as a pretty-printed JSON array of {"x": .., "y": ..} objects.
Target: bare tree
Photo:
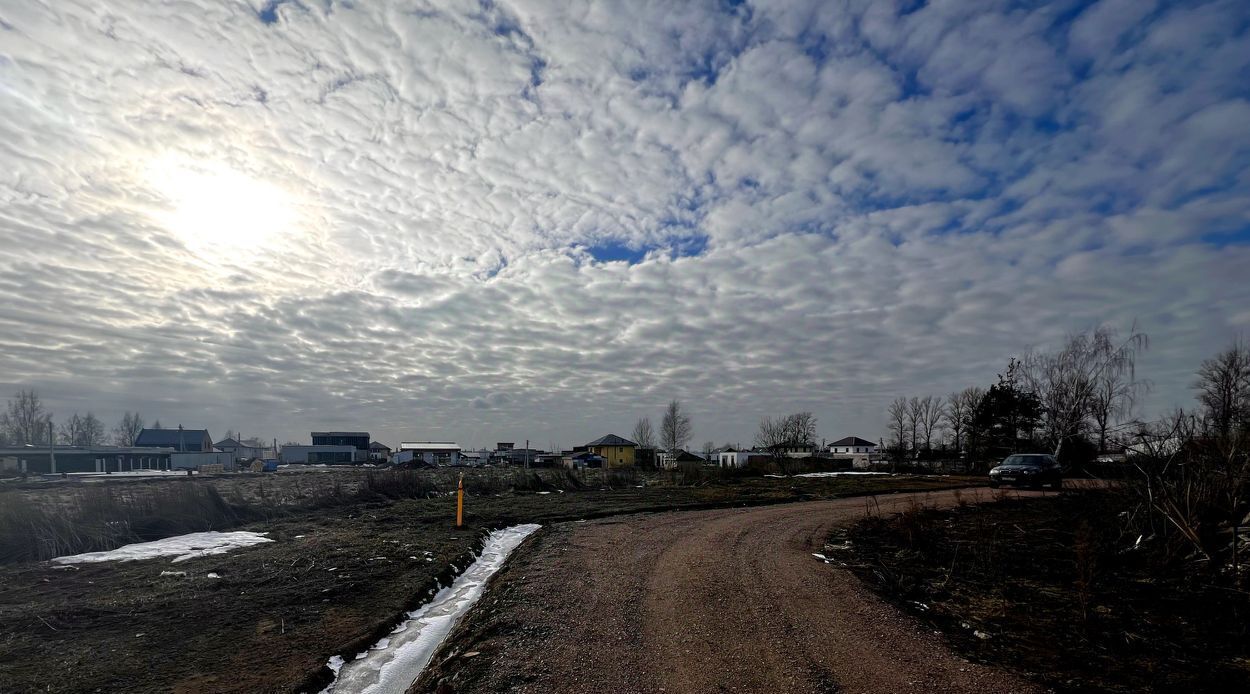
[
  {"x": 801, "y": 429},
  {"x": 915, "y": 413},
  {"x": 82, "y": 431},
  {"x": 644, "y": 434},
  {"x": 708, "y": 447},
  {"x": 959, "y": 410},
  {"x": 932, "y": 413},
  {"x": 92, "y": 430},
  {"x": 898, "y": 412},
  {"x": 127, "y": 430},
  {"x": 675, "y": 429},
  {"x": 157, "y": 425},
  {"x": 771, "y": 436},
  {"x": 26, "y": 421},
  {"x": 1112, "y": 402},
  {"x": 1223, "y": 387},
  {"x": 1067, "y": 382},
  {"x": 71, "y": 430},
  {"x": 791, "y": 431}
]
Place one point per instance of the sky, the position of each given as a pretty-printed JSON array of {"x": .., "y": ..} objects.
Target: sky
[{"x": 499, "y": 221}]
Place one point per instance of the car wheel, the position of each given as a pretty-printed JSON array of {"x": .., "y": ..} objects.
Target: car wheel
[{"x": 993, "y": 484}]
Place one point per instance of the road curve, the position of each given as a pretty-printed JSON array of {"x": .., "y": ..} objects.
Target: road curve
[{"x": 712, "y": 601}]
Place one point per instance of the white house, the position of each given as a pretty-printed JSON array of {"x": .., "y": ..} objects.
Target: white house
[
  {"x": 852, "y": 445},
  {"x": 243, "y": 450},
  {"x": 732, "y": 457},
  {"x": 432, "y": 452}
]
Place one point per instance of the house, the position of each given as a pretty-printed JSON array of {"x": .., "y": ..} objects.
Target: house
[
  {"x": 181, "y": 440},
  {"x": 852, "y": 445},
  {"x": 580, "y": 460},
  {"x": 239, "y": 450},
  {"x": 617, "y": 451},
  {"x": 732, "y": 457},
  {"x": 432, "y": 452},
  {"x": 544, "y": 459},
  {"x": 797, "y": 450},
  {"x": 379, "y": 452},
  {"x": 357, "y": 439},
  {"x": 670, "y": 461},
  {"x": 322, "y": 455},
  {"x": 516, "y": 456}
]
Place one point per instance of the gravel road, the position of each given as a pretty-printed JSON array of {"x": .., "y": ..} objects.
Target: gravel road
[{"x": 709, "y": 601}]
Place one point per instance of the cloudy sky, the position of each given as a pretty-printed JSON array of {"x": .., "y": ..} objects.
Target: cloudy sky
[{"x": 519, "y": 219}]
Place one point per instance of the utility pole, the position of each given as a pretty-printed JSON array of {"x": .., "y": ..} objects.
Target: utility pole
[
  {"x": 51, "y": 448},
  {"x": 527, "y": 454}
]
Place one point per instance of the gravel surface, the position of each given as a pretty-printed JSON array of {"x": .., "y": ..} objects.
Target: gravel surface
[{"x": 708, "y": 601}]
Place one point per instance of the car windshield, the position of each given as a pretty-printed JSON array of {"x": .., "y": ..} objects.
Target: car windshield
[{"x": 1030, "y": 460}]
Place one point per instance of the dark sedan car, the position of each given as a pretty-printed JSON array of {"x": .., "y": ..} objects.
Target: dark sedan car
[{"x": 1034, "y": 470}]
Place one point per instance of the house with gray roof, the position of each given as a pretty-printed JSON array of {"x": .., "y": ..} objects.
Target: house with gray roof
[
  {"x": 181, "y": 440},
  {"x": 616, "y": 451}
]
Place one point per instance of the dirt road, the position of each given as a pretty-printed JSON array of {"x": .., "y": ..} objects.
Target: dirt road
[{"x": 710, "y": 601}]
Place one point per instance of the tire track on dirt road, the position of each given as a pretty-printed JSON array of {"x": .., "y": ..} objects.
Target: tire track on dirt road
[{"x": 712, "y": 601}]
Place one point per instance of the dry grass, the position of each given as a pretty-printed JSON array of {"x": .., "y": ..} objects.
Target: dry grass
[{"x": 102, "y": 518}]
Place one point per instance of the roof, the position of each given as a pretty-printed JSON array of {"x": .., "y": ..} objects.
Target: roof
[
  {"x": 688, "y": 457},
  {"x": 429, "y": 446},
  {"x": 611, "y": 440},
  {"x": 852, "y": 441},
  {"x": 378, "y": 446},
  {"x": 341, "y": 433},
  {"x": 226, "y": 442},
  {"x": 172, "y": 438}
]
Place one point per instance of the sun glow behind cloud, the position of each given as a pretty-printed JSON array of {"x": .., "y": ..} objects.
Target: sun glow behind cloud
[
  {"x": 218, "y": 211},
  {"x": 474, "y": 220}
]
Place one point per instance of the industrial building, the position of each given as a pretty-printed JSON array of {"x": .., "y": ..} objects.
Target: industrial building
[
  {"x": 356, "y": 439},
  {"x": 323, "y": 455},
  {"x": 66, "y": 459}
]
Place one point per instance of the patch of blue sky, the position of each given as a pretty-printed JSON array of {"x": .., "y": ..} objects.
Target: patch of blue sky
[
  {"x": 612, "y": 251},
  {"x": 268, "y": 12},
  {"x": 1236, "y": 236},
  {"x": 615, "y": 251}
]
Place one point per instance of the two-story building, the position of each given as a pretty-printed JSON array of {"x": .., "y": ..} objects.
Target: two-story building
[{"x": 616, "y": 451}]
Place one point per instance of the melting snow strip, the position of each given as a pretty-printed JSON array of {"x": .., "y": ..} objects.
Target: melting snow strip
[
  {"x": 394, "y": 663},
  {"x": 181, "y": 547}
]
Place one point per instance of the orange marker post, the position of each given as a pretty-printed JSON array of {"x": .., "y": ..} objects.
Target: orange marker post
[{"x": 460, "y": 502}]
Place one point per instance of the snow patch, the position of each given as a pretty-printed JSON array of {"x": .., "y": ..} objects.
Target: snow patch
[
  {"x": 394, "y": 663},
  {"x": 181, "y": 547}
]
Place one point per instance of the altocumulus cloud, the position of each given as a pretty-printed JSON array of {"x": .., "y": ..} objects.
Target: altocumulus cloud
[{"x": 541, "y": 220}]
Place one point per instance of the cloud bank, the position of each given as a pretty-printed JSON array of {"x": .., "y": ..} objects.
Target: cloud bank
[{"x": 523, "y": 219}]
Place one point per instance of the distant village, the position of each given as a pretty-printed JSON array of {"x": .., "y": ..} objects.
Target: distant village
[{"x": 194, "y": 450}]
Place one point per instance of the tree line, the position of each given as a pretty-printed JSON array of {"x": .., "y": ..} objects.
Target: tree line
[
  {"x": 25, "y": 421},
  {"x": 1074, "y": 402}
]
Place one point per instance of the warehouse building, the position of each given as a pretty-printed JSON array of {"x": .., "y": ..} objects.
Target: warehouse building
[{"x": 68, "y": 459}]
